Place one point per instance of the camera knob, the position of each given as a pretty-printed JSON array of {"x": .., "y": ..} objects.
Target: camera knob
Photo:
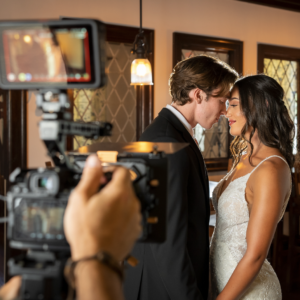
[
  {"x": 152, "y": 220},
  {"x": 25, "y": 190},
  {"x": 17, "y": 189},
  {"x": 154, "y": 183}
]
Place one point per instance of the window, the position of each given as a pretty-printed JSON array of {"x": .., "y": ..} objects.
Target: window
[
  {"x": 128, "y": 108},
  {"x": 282, "y": 64},
  {"x": 115, "y": 102},
  {"x": 213, "y": 143}
]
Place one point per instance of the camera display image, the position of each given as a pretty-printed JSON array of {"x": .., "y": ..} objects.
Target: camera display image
[
  {"x": 38, "y": 54},
  {"x": 35, "y": 220}
]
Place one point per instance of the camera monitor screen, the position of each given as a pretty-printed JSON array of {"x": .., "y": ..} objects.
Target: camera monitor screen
[
  {"x": 56, "y": 54},
  {"x": 38, "y": 221}
]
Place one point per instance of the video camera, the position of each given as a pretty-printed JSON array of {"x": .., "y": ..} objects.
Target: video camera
[{"x": 53, "y": 56}]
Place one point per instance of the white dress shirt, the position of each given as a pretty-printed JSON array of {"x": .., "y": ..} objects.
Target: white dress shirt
[{"x": 182, "y": 119}]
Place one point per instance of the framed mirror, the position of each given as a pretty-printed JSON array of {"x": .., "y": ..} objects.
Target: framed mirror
[{"x": 213, "y": 143}]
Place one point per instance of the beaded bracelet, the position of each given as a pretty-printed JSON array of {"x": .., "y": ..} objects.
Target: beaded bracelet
[{"x": 101, "y": 256}]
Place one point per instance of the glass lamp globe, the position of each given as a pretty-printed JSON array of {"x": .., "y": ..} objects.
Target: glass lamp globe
[{"x": 141, "y": 72}]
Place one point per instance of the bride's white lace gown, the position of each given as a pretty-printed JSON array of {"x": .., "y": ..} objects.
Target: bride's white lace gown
[{"x": 229, "y": 244}]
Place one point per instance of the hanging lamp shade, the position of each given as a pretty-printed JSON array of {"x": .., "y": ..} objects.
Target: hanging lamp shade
[{"x": 141, "y": 72}]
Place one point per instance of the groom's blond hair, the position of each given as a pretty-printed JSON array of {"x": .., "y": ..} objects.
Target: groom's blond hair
[{"x": 204, "y": 72}]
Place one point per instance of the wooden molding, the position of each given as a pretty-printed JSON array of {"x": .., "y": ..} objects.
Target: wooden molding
[
  {"x": 14, "y": 147},
  {"x": 205, "y": 43},
  {"x": 275, "y": 52},
  {"x": 293, "y": 5},
  {"x": 13, "y": 154}
]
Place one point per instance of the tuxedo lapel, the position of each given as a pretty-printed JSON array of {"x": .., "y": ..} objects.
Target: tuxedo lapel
[{"x": 166, "y": 113}]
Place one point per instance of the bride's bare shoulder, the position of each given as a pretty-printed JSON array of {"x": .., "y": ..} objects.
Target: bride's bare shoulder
[
  {"x": 273, "y": 173},
  {"x": 274, "y": 164}
]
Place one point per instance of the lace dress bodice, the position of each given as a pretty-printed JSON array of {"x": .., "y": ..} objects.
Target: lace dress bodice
[{"x": 229, "y": 245}]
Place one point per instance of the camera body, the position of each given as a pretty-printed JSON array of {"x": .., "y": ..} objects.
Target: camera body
[
  {"x": 37, "y": 201},
  {"x": 36, "y": 206}
]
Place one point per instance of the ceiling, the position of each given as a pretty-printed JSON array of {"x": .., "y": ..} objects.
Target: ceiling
[{"x": 293, "y": 5}]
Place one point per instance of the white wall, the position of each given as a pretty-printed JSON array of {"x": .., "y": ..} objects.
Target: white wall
[{"x": 231, "y": 19}]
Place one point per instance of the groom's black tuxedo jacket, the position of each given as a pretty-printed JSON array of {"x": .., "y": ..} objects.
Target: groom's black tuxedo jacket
[{"x": 178, "y": 268}]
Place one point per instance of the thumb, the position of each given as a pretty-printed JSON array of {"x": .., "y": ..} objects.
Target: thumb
[{"x": 90, "y": 179}]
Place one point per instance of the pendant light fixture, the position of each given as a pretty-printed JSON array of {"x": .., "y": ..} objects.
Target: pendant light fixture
[{"x": 141, "y": 72}]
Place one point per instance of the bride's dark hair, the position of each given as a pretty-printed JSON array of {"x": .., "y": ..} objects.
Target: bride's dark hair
[{"x": 261, "y": 101}]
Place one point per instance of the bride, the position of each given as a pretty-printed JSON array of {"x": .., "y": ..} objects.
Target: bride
[{"x": 251, "y": 199}]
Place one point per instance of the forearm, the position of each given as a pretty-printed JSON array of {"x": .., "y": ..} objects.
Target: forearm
[
  {"x": 241, "y": 278},
  {"x": 95, "y": 280}
]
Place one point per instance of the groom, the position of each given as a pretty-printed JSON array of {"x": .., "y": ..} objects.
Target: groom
[{"x": 178, "y": 268}]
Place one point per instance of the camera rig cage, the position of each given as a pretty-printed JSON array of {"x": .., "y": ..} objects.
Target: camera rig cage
[{"x": 38, "y": 198}]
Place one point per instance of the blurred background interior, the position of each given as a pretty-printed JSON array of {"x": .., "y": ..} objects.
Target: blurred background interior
[{"x": 259, "y": 36}]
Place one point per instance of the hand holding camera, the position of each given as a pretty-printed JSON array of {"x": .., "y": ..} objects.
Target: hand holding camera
[{"x": 108, "y": 220}]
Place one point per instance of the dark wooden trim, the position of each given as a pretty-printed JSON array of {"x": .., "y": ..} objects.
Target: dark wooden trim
[
  {"x": 260, "y": 59},
  {"x": 13, "y": 153},
  {"x": 14, "y": 131},
  {"x": 293, "y": 5},
  {"x": 216, "y": 164},
  {"x": 69, "y": 139},
  {"x": 2, "y": 189},
  {"x": 125, "y": 34},
  {"x": 275, "y": 52},
  {"x": 204, "y": 43},
  {"x": 298, "y": 108}
]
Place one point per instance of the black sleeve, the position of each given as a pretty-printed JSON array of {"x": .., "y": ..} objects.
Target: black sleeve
[{"x": 171, "y": 257}]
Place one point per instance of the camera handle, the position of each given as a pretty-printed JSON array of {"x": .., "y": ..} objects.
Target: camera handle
[
  {"x": 42, "y": 275},
  {"x": 56, "y": 125}
]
